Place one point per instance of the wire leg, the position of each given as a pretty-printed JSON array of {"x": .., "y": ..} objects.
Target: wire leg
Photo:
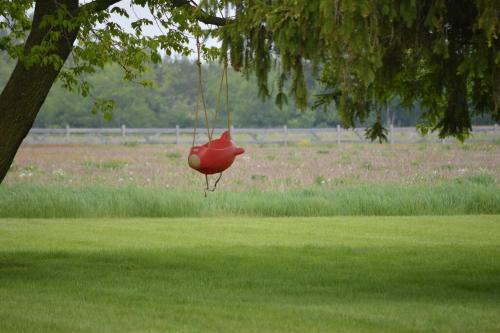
[
  {"x": 208, "y": 187},
  {"x": 215, "y": 184}
]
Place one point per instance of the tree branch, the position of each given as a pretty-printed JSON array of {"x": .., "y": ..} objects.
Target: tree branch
[
  {"x": 99, "y": 5},
  {"x": 202, "y": 16},
  {"x": 213, "y": 20}
]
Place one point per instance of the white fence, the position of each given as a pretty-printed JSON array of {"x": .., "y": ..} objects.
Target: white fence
[{"x": 261, "y": 136}]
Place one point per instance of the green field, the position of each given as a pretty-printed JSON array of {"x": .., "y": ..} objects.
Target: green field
[{"x": 359, "y": 274}]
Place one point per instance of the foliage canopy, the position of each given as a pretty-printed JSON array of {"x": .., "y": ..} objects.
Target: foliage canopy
[{"x": 444, "y": 55}]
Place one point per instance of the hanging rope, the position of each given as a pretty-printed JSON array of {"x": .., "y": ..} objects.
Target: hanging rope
[
  {"x": 200, "y": 96},
  {"x": 227, "y": 99},
  {"x": 217, "y": 109},
  {"x": 200, "y": 99},
  {"x": 197, "y": 108},
  {"x": 218, "y": 100}
]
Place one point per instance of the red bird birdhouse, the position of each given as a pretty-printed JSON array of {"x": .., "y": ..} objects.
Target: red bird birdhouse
[{"x": 214, "y": 156}]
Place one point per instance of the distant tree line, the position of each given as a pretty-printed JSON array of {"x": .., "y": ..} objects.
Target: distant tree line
[{"x": 172, "y": 100}]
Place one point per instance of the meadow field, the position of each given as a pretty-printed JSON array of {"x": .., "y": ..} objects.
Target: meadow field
[
  {"x": 155, "y": 181},
  {"x": 351, "y": 238},
  {"x": 268, "y": 168}
]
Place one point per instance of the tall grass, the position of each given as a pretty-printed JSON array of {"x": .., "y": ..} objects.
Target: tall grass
[{"x": 459, "y": 197}]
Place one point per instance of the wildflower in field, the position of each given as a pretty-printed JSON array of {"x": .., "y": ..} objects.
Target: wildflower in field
[{"x": 59, "y": 174}]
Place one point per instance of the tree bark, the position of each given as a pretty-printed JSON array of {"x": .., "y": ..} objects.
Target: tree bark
[{"x": 27, "y": 88}]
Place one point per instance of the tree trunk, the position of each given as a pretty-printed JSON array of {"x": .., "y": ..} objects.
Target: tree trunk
[{"x": 28, "y": 87}]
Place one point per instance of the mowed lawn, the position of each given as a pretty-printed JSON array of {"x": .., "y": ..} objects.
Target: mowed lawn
[{"x": 359, "y": 274}]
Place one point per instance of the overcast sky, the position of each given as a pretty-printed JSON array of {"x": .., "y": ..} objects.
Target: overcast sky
[{"x": 141, "y": 12}]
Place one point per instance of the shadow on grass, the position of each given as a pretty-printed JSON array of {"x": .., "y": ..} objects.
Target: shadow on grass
[
  {"x": 255, "y": 289},
  {"x": 306, "y": 275}
]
